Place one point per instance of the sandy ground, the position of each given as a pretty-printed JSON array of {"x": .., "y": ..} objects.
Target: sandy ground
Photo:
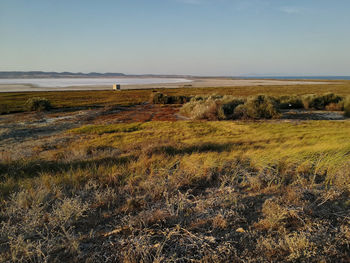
[{"x": 209, "y": 82}]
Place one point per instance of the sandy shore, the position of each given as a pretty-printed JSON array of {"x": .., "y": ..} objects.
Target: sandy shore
[{"x": 196, "y": 83}]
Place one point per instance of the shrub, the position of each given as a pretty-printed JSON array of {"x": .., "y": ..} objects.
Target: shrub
[
  {"x": 229, "y": 107},
  {"x": 198, "y": 97},
  {"x": 4, "y": 109},
  {"x": 160, "y": 98},
  {"x": 241, "y": 112},
  {"x": 329, "y": 98},
  {"x": 258, "y": 107},
  {"x": 214, "y": 107},
  {"x": 38, "y": 104},
  {"x": 201, "y": 110},
  {"x": 347, "y": 107},
  {"x": 320, "y": 102},
  {"x": 217, "y": 107},
  {"x": 290, "y": 102},
  {"x": 226, "y": 108},
  {"x": 178, "y": 99}
]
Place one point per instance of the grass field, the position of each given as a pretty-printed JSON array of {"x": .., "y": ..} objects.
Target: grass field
[{"x": 178, "y": 191}]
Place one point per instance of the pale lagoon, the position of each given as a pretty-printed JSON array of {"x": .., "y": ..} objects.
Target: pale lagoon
[{"x": 76, "y": 82}]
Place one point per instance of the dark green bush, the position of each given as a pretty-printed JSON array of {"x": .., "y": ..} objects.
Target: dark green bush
[
  {"x": 320, "y": 102},
  {"x": 178, "y": 99},
  {"x": 198, "y": 98},
  {"x": 38, "y": 104},
  {"x": 329, "y": 98},
  {"x": 290, "y": 102},
  {"x": 160, "y": 98},
  {"x": 241, "y": 112},
  {"x": 258, "y": 107},
  {"x": 4, "y": 109},
  {"x": 226, "y": 109},
  {"x": 347, "y": 107}
]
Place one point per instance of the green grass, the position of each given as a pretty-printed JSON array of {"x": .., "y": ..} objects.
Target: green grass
[
  {"x": 261, "y": 142},
  {"x": 322, "y": 145}
]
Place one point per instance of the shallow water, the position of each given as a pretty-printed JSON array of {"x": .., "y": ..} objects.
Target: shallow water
[{"x": 71, "y": 82}]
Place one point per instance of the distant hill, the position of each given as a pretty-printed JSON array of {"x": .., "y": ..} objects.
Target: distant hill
[{"x": 42, "y": 74}]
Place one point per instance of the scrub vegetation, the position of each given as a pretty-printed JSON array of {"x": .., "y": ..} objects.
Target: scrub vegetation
[
  {"x": 218, "y": 107},
  {"x": 347, "y": 107},
  {"x": 38, "y": 104},
  {"x": 233, "y": 184}
]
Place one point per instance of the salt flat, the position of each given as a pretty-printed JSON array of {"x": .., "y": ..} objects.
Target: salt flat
[{"x": 22, "y": 85}]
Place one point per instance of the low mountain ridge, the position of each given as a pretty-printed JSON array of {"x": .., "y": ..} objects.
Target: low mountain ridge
[{"x": 43, "y": 74}]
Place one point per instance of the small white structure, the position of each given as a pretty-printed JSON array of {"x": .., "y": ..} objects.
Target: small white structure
[{"x": 116, "y": 86}]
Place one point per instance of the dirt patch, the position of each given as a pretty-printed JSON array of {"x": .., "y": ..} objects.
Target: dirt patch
[
  {"x": 25, "y": 132},
  {"x": 22, "y": 126},
  {"x": 22, "y": 134}
]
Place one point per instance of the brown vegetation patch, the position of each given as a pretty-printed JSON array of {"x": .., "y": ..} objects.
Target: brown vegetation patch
[{"x": 140, "y": 113}]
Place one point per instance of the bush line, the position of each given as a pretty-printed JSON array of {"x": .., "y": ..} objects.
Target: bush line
[{"x": 218, "y": 107}]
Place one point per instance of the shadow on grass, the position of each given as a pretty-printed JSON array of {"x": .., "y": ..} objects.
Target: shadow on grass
[
  {"x": 252, "y": 207},
  {"x": 20, "y": 170},
  {"x": 201, "y": 148}
]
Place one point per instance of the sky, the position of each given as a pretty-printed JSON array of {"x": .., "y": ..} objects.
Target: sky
[{"x": 195, "y": 37}]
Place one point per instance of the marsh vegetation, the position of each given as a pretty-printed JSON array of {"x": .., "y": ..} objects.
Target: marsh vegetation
[{"x": 111, "y": 188}]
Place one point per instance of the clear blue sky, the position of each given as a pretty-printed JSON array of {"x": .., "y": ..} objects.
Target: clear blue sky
[{"x": 202, "y": 37}]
